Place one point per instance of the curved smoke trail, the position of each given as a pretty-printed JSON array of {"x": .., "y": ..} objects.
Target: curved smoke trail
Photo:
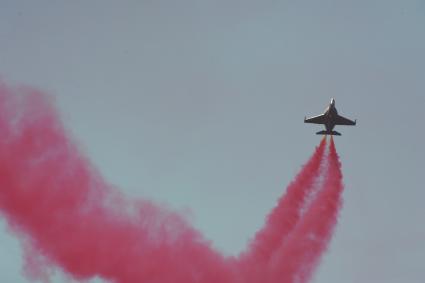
[
  {"x": 64, "y": 211},
  {"x": 67, "y": 216}
]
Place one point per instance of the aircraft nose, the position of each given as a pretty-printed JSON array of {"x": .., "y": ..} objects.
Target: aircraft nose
[{"x": 333, "y": 101}]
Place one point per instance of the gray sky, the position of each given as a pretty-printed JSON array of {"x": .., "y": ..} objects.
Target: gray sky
[{"x": 200, "y": 105}]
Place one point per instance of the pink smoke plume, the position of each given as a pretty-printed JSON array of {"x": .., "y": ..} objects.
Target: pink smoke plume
[
  {"x": 67, "y": 216},
  {"x": 310, "y": 238},
  {"x": 282, "y": 220}
]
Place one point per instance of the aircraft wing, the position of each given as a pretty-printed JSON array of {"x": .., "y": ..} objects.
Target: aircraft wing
[
  {"x": 339, "y": 120},
  {"x": 319, "y": 119}
]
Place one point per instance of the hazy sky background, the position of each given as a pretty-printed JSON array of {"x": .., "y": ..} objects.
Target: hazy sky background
[{"x": 200, "y": 104}]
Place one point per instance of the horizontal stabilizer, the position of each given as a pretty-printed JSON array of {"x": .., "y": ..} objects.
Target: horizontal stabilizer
[{"x": 330, "y": 133}]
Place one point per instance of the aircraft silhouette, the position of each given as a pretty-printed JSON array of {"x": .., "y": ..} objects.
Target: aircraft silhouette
[{"x": 330, "y": 119}]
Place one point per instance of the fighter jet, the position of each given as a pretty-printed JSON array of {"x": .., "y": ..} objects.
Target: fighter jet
[{"x": 330, "y": 118}]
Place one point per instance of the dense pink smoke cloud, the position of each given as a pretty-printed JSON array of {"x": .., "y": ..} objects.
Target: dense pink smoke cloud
[
  {"x": 51, "y": 195},
  {"x": 68, "y": 217}
]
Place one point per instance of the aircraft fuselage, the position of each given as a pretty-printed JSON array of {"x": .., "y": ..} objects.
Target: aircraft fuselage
[{"x": 330, "y": 116}]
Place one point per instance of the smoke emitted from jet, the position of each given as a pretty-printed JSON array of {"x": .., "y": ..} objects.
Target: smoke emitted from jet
[
  {"x": 68, "y": 217},
  {"x": 310, "y": 238},
  {"x": 298, "y": 230},
  {"x": 283, "y": 218}
]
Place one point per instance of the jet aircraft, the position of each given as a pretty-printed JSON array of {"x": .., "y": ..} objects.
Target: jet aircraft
[{"x": 330, "y": 119}]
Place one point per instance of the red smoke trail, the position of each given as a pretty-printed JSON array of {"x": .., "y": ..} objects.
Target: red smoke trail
[
  {"x": 283, "y": 218},
  {"x": 66, "y": 213},
  {"x": 298, "y": 257},
  {"x": 67, "y": 216}
]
